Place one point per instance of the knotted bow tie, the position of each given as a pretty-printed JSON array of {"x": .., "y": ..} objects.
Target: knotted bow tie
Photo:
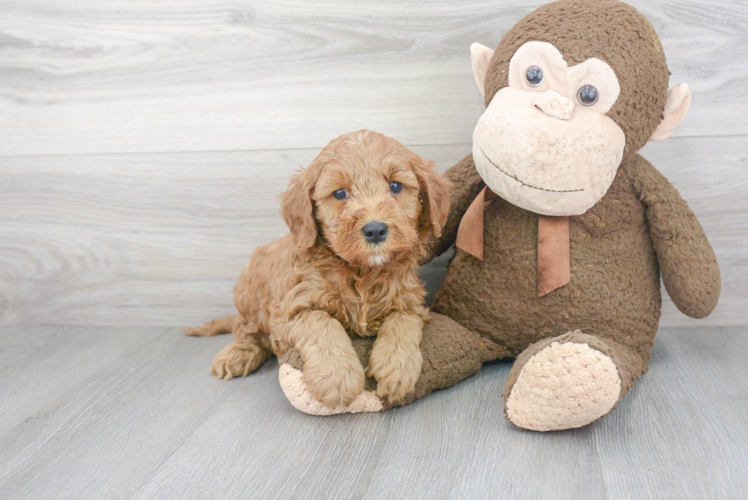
[{"x": 554, "y": 268}]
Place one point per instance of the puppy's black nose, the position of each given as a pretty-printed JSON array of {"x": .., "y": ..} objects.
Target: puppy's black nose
[{"x": 375, "y": 232}]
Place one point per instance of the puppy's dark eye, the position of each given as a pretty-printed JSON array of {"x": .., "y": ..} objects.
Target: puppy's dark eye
[
  {"x": 340, "y": 194},
  {"x": 534, "y": 76},
  {"x": 587, "y": 95},
  {"x": 396, "y": 187}
]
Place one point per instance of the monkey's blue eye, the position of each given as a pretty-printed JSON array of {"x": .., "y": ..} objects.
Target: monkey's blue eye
[
  {"x": 396, "y": 187},
  {"x": 534, "y": 76},
  {"x": 587, "y": 95},
  {"x": 340, "y": 194}
]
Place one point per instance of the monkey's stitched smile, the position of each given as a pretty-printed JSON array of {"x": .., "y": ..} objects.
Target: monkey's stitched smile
[{"x": 524, "y": 183}]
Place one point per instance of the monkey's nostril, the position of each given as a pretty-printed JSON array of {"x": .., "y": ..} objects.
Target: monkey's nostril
[{"x": 375, "y": 232}]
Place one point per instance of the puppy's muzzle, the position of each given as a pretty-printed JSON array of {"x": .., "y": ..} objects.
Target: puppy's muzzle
[{"x": 375, "y": 232}]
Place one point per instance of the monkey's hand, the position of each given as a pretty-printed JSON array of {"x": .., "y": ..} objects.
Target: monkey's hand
[{"x": 687, "y": 262}]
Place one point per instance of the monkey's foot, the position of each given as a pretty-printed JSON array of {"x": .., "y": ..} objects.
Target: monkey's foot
[
  {"x": 561, "y": 383},
  {"x": 295, "y": 389}
]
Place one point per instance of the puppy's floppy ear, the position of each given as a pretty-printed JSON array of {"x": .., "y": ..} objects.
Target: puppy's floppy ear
[
  {"x": 297, "y": 208},
  {"x": 434, "y": 192}
]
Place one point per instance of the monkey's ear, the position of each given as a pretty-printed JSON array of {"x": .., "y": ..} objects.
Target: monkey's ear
[
  {"x": 297, "y": 209},
  {"x": 481, "y": 57},
  {"x": 676, "y": 107}
]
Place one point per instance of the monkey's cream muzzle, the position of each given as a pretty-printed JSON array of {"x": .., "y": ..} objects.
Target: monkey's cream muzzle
[{"x": 540, "y": 152}]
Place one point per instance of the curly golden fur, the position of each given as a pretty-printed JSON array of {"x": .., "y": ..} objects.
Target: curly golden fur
[{"x": 324, "y": 283}]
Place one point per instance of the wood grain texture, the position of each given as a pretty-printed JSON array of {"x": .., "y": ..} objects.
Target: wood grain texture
[
  {"x": 200, "y": 75},
  {"x": 142, "y": 148},
  {"x": 143, "y": 144},
  {"x": 161, "y": 238},
  {"x": 138, "y": 239},
  {"x": 132, "y": 413}
]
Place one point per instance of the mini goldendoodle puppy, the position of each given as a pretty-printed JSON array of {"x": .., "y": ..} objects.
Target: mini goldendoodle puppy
[{"x": 360, "y": 216}]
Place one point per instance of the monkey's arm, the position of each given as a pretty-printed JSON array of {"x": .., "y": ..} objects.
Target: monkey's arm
[
  {"x": 466, "y": 184},
  {"x": 687, "y": 262}
]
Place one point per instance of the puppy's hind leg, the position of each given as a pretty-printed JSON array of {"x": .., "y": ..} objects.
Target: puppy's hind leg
[{"x": 241, "y": 357}]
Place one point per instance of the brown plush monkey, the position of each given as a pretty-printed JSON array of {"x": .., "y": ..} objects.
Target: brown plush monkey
[{"x": 562, "y": 229}]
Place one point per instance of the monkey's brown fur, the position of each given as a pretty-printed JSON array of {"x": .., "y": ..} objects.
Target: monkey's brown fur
[
  {"x": 641, "y": 227},
  {"x": 639, "y": 230},
  {"x": 317, "y": 287}
]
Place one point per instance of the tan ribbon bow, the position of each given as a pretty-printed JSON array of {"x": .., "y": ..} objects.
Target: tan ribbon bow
[{"x": 554, "y": 267}]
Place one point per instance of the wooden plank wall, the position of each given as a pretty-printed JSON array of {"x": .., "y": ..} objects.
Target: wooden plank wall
[{"x": 143, "y": 143}]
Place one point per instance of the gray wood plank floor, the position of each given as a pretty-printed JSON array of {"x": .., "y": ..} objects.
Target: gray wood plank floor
[{"x": 130, "y": 412}]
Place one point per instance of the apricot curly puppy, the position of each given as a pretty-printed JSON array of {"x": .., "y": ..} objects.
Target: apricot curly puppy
[{"x": 360, "y": 217}]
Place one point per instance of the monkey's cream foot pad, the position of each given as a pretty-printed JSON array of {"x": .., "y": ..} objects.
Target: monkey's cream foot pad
[
  {"x": 563, "y": 386},
  {"x": 293, "y": 386}
]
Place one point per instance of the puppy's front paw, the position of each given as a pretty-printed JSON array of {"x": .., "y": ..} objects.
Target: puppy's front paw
[
  {"x": 396, "y": 370},
  {"x": 334, "y": 380}
]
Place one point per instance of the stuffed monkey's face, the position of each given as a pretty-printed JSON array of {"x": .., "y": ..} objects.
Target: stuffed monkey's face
[{"x": 545, "y": 143}]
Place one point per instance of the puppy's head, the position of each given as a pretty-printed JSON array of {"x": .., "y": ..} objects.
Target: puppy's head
[{"x": 368, "y": 198}]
